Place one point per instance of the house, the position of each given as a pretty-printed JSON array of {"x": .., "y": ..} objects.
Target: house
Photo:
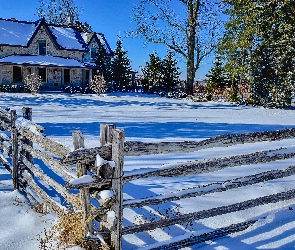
[{"x": 61, "y": 55}]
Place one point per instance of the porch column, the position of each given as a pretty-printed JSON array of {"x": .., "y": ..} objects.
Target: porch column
[
  {"x": 90, "y": 75},
  {"x": 1, "y": 76},
  {"x": 62, "y": 78}
]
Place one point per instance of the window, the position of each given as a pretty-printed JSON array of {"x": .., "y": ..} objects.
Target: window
[
  {"x": 42, "y": 73},
  {"x": 93, "y": 53},
  {"x": 42, "y": 47},
  {"x": 17, "y": 74},
  {"x": 67, "y": 77}
]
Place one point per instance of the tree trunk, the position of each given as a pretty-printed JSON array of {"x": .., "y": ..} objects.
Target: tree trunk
[{"x": 192, "y": 11}]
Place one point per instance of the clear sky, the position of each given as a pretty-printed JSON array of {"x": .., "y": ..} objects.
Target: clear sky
[{"x": 110, "y": 17}]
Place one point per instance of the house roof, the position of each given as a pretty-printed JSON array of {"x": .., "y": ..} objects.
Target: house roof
[
  {"x": 16, "y": 33},
  {"x": 99, "y": 38},
  {"x": 30, "y": 60},
  {"x": 21, "y": 33}
]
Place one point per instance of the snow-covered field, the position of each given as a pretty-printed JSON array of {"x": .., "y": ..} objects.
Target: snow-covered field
[{"x": 150, "y": 118}]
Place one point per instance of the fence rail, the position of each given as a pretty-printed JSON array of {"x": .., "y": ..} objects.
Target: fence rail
[{"x": 22, "y": 142}]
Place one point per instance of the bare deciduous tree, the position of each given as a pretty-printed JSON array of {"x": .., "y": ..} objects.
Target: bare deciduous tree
[{"x": 188, "y": 27}]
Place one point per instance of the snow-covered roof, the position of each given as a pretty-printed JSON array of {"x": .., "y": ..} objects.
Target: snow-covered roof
[
  {"x": 20, "y": 33},
  {"x": 68, "y": 38},
  {"x": 43, "y": 61},
  {"x": 99, "y": 37},
  {"x": 16, "y": 33}
]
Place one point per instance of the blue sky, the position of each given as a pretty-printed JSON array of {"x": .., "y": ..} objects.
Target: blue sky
[{"x": 111, "y": 17}]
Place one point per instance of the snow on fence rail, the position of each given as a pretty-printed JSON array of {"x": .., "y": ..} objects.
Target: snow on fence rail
[{"x": 22, "y": 141}]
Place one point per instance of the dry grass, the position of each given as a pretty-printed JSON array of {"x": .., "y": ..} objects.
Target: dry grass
[{"x": 68, "y": 231}]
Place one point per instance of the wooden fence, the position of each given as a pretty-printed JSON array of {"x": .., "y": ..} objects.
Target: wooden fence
[
  {"x": 100, "y": 169},
  {"x": 112, "y": 141}
]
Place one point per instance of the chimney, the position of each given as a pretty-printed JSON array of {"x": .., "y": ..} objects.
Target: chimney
[{"x": 70, "y": 19}]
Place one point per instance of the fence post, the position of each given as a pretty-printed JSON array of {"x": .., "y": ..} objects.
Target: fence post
[
  {"x": 84, "y": 192},
  {"x": 118, "y": 158},
  {"x": 27, "y": 114},
  {"x": 106, "y": 133},
  {"x": 106, "y": 136},
  {"x": 14, "y": 148}
]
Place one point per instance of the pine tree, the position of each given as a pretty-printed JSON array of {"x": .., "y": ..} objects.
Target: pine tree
[
  {"x": 121, "y": 67},
  {"x": 152, "y": 73},
  {"x": 216, "y": 76},
  {"x": 170, "y": 72},
  {"x": 103, "y": 64},
  {"x": 259, "y": 49}
]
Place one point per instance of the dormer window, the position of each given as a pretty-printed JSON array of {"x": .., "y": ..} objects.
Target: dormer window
[
  {"x": 42, "y": 47},
  {"x": 93, "y": 53}
]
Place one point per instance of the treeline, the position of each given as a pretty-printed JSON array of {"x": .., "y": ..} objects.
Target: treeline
[
  {"x": 255, "y": 56},
  {"x": 159, "y": 75}
]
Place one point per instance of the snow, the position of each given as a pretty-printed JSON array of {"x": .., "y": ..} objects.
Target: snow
[
  {"x": 150, "y": 118},
  {"x": 42, "y": 60},
  {"x": 82, "y": 180},
  {"x": 68, "y": 38},
  {"x": 16, "y": 33},
  {"x": 106, "y": 194},
  {"x": 22, "y": 122},
  {"x": 99, "y": 161}
]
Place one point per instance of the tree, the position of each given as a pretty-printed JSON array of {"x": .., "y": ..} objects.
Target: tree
[
  {"x": 62, "y": 12},
  {"x": 192, "y": 34},
  {"x": 216, "y": 76},
  {"x": 259, "y": 48},
  {"x": 121, "y": 67},
  {"x": 170, "y": 72},
  {"x": 160, "y": 75},
  {"x": 98, "y": 84},
  {"x": 33, "y": 82},
  {"x": 152, "y": 73},
  {"x": 103, "y": 63}
]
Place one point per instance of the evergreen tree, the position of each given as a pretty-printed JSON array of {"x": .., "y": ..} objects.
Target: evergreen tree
[
  {"x": 170, "y": 72},
  {"x": 259, "y": 48},
  {"x": 121, "y": 67},
  {"x": 152, "y": 73},
  {"x": 216, "y": 76},
  {"x": 103, "y": 63}
]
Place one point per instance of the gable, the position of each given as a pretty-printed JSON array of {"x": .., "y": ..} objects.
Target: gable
[{"x": 99, "y": 39}]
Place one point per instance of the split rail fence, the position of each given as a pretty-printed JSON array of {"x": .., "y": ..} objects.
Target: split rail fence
[{"x": 95, "y": 170}]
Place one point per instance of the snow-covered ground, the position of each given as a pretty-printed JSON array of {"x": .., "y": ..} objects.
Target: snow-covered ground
[{"x": 152, "y": 119}]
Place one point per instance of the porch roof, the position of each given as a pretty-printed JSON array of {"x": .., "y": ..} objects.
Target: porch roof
[{"x": 50, "y": 61}]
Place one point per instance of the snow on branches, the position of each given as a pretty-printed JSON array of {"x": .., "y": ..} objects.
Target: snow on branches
[
  {"x": 98, "y": 84},
  {"x": 33, "y": 82}
]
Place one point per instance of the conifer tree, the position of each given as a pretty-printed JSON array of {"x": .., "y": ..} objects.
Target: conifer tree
[
  {"x": 103, "y": 63},
  {"x": 152, "y": 73},
  {"x": 216, "y": 76},
  {"x": 121, "y": 68},
  {"x": 170, "y": 72}
]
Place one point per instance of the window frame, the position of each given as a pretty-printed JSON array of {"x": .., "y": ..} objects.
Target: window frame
[
  {"x": 42, "y": 50},
  {"x": 93, "y": 51}
]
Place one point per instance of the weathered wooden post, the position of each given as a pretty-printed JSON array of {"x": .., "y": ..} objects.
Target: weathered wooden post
[
  {"x": 106, "y": 137},
  {"x": 84, "y": 192},
  {"x": 14, "y": 148},
  {"x": 27, "y": 114},
  {"x": 106, "y": 133},
  {"x": 118, "y": 158}
]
